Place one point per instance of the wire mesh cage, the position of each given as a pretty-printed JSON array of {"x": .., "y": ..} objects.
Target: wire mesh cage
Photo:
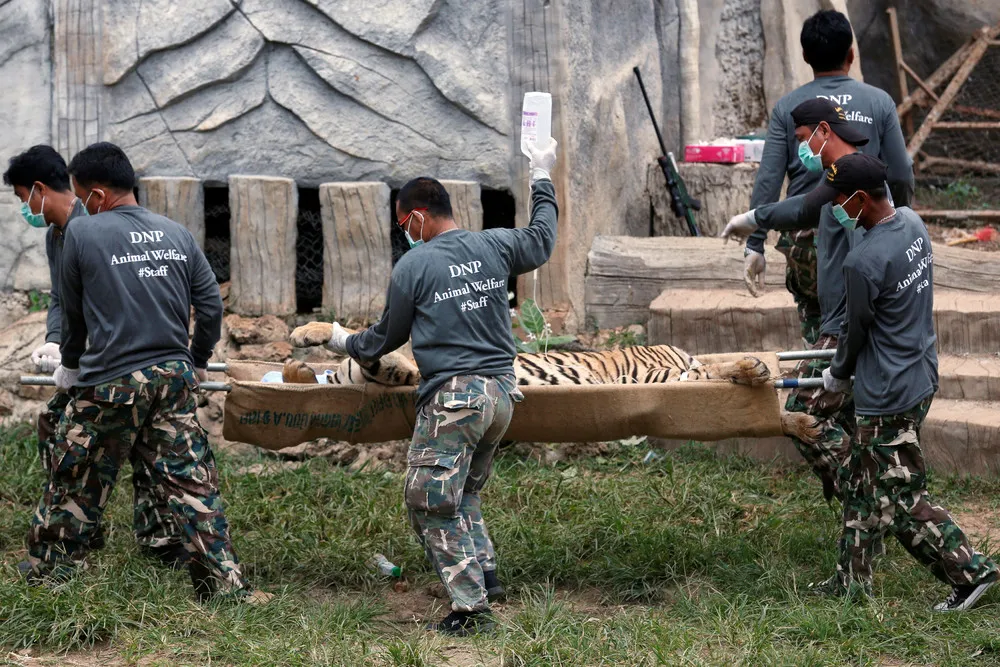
[
  {"x": 958, "y": 165},
  {"x": 217, "y": 239},
  {"x": 309, "y": 256}
]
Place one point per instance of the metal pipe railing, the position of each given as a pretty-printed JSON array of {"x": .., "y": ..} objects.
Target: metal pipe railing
[
  {"x": 48, "y": 381},
  {"x": 796, "y": 355}
]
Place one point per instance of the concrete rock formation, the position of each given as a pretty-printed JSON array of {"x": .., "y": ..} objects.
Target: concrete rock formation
[{"x": 334, "y": 91}]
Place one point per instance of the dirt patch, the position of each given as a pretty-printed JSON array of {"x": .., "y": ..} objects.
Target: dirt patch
[
  {"x": 941, "y": 234},
  {"x": 97, "y": 656},
  {"x": 980, "y": 523},
  {"x": 368, "y": 456}
]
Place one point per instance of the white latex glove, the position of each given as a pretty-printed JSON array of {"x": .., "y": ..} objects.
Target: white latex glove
[
  {"x": 66, "y": 378},
  {"x": 202, "y": 374},
  {"x": 338, "y": 341},
  {"x": 46, "y": 357},
  {"x": 754, "y": 266},
  {"x": 541, "y": 161},
  {"x": 739, "y": 227},
  {"x": 835, "y": 385}
]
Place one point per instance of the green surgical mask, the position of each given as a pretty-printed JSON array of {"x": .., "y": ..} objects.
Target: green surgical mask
[
  {"x": 811, "y": 161},
  {"x": 33, "y": 219},
  {"x": 846, "y": 221}
]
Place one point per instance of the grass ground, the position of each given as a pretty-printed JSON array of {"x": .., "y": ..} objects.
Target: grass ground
[{"x": 688, "y": 560}]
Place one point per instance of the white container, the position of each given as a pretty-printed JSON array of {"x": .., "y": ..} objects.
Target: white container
[{"x": 536, "y": 120}]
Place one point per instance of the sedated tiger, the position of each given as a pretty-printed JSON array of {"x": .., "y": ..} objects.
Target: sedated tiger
[{"x": 630, "y": 365}]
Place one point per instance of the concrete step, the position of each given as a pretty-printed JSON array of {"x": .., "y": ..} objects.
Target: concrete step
[
  {"x": 960, "y": 437},
  {"x": 967, "y": 377},
  {"x": 725, "y": 320}
]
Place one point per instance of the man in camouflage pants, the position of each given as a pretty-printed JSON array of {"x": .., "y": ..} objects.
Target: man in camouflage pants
[
  {"x": 888, "y": 343},
  {"x": 40, "y": 180},
  {"x": 445, "y": 475},
  {"x": 129, "y": 279},
  {"x": 449, "y": 293}
]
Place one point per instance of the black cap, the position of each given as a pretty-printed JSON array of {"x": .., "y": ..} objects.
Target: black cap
[
  {"x": 854, "y": 172},
  {"x": 817, "y": 109}
]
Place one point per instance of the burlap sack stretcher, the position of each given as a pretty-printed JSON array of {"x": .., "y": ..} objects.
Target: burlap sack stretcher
[{"x": 274, "y": 416}]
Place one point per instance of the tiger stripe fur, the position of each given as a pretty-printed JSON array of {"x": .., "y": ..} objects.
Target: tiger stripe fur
[{"x": 630, "y": 365}]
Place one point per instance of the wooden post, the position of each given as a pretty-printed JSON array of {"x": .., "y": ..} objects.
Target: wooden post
[
  {"x": 182, "y": 199},
  {"x": 973, "y": 125},
  {"x": 357, "y": 252},
  {"x": 76, "y": 75},
  {"x": 537, "y": 62},
  {"x": 466, "y": 203},
  {"x": 897, "y": 49},
  {"x": 975, "y": 54},
  {"x": 263, "y": 214}
]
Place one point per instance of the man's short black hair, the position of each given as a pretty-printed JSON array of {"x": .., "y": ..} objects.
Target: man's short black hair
[
  {"x": 39, "y": 163},
  {"x": 826, "y": 38},
  {"x": 105, "y": 164},
  {"x": 425, "y": 192}
]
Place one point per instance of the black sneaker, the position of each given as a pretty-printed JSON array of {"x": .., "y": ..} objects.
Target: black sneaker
[
  {"x": 204, "y": 581},
  {"x": 964, "y": 597},
  {"x": 97, "y": 541},
  {"x": 61, "y": 573},
  {"x": 174, "y": 556},
  {"x": 465, "y": 623},
  {"x": 495, "y": 592}
]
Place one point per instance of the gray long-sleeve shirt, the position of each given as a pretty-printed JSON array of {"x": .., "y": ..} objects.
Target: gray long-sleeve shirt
[
  {"x": 833, "y": 242},
  {"x": 450, "y": 295},
  {"x": 53, "y": 252},
  {"x": 129, "y": 278},
  {"x": 887, "y": 340},
  {"x": 870, "y": 109}
]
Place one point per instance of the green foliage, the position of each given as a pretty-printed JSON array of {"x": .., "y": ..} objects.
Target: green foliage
[
  {"x": 38, "y": 301},
  {"x": 958, "y": 195},
  {"x": 625, "y": 338},
  {"x": 531, "y": 317},
  {"x": 538, "y": 331}
]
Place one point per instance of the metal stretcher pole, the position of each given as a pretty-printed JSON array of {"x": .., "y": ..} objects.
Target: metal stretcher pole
[
  {"x": 795, "y": 355},
  {"x": 803, "y": 383},
  {"x": 47, "y": 381}
]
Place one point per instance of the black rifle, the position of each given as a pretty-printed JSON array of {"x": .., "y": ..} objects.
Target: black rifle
[{"x": 684, "y": 205}]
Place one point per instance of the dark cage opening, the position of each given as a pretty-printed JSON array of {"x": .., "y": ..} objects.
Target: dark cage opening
[
  {"x": 309, "y": 253},
  {"x": 499, "y": 210},
  {"x": 217, "y": 239}
]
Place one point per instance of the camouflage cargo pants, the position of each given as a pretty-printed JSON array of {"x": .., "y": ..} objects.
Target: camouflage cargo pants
[
  {"x": 836, "y": 415},
  {"x": 799, "y": 249},
  {"x": 154, "y": 524},
  {"x": 449, "y": 461},
  {"x": 887, "y": 491},
  {"x": 148, "y": 416}
]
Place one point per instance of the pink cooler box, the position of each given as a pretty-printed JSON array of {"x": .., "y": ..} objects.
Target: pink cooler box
[{"x": 714, "y": 153}]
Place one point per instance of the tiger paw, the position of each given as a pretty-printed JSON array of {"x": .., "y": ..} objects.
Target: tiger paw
[
  {"x": 802, "y": 426},
  {"x": 312, "y": 334},
  {"x": 297, "y": 372},
  {"x": 751, "y": 371}
]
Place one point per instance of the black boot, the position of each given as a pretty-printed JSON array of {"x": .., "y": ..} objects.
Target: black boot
[
  {"x": 174, "y": 556},
  {"x": 495, "y": 592},
  {"x": 465, "y": 623}
]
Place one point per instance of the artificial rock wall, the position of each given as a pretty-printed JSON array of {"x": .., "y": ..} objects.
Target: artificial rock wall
[{"x": 335, "y": 91}]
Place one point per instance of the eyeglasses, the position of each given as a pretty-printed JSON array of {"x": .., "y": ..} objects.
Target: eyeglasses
[{"x": 407, "y": 216}]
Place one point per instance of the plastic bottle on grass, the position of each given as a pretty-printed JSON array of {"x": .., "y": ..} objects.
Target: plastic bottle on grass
[
  {"x": 536, "y": 120},
  {"x": 383, "y": 565}
]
